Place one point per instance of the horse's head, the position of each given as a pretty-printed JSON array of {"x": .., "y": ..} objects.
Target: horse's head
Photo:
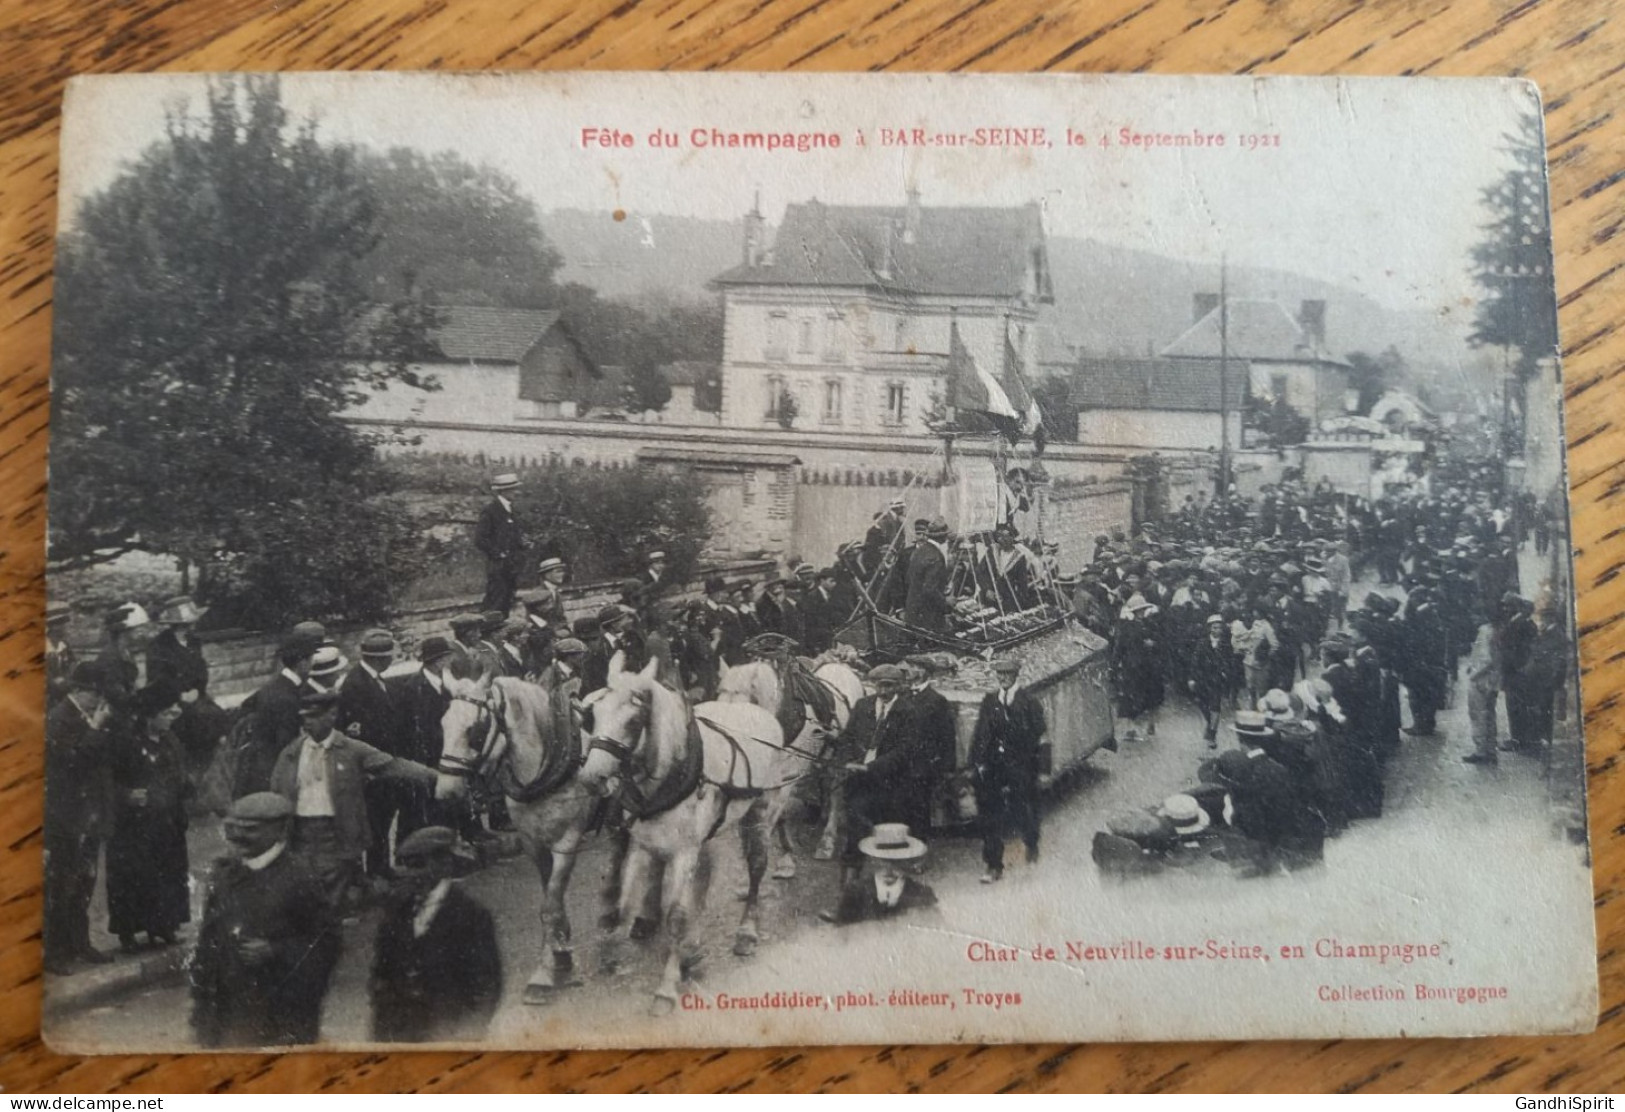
[
  {"x": 621, "y": 717},
  {"x": 466, "y": 729}
]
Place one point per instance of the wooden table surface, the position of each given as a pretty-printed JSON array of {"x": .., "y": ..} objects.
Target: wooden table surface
[{"x": 1575, "y": 50}]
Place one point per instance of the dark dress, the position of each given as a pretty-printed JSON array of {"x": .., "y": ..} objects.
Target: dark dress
[{"x": 147, "y": 868}]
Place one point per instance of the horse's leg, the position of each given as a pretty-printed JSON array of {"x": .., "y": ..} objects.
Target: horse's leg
[
  {"x": 680, "y": 911},
  {"x": 609, "y": 897},
  {"x": 777, "y": 834},
  {"x": 634, "y": 875},
  {"x": 753, "y": 837},
  {"x": 829, "y": 844},
  {"x": 539, "y": 989}
]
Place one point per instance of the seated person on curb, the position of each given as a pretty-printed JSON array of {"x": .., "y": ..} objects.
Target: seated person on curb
[{"x": 892, "y": 891}]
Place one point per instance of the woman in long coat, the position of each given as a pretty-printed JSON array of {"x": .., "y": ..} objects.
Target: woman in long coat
[
  {"x": 1138, "y": 661},
  {"x": 147, "y": 889}
]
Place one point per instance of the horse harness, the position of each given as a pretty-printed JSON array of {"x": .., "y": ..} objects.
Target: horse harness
[{"x": 558, "y": 765}]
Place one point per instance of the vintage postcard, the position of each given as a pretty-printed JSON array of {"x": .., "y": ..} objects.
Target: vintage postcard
[{"x": 619, "y": 560}]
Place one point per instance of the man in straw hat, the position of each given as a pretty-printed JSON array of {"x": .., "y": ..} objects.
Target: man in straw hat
[
  {"x": 267, "y": 944},
  {"x": 892, "y": 891},
  {"x": 1006, "y": 758},
  {"x": 499, "y": 539}
]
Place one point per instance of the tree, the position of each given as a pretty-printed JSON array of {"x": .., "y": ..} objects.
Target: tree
[
  {"x": 642, "y": 339},
  {"x": 1513, "y": 265},
  {"x": 1372, "y": 376},
  {"x": 210, "y": 328},
  {"x": 457, "y": 233}
]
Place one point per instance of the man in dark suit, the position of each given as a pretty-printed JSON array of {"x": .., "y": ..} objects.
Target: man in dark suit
[
  {"x": 436, "y": 968},
  {"x": 1006, "y": 757},
  {"x": 500, "y": 540},
  {"x": 934, "y": 721},
  {"x": 323, "y": 773},
  {"x": 1210, "y": 673},
  {"x": 273, "y": 712},
  {"x": 819, "y": 613},
  {"x": 888, "y": 767},
  {"x": 371, "y": 711},
  {"x": 268, "y": 944},
  {"x": 927, "y": 606},
  {"x": 78, "y": 812}
]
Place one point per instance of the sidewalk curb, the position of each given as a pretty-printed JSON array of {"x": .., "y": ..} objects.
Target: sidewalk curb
[{"x": 91, "y": 988}]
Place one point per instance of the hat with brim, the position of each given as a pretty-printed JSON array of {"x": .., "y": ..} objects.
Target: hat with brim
[
  {"x": 129, "y": 616},
  {"x": 87, "y": 675},
  {"x": 328, "y": 661},
  {"x": 465, "y": 623},
  {"x": 1185, "y": 813},
  {"x": 569, "y": 646},
  {"x": 1006, "y": 667},
  {"x": 179, "y": 611},
  {"x": 715, "y": 583},
  {"x": 886, "y": 673},
  {"x": 505, "y": 481},
  {"x": 937, "y": 530},
  {"x": 611, "y": 614},
  {"x": 377, "y": 642},
  {"x": 891, "y": 841},
  {"x": 552, "y": 563},
  {"x": 300, "y": 642},
  {"x": 433, "y": 649},
  {"x": 492, "y": 620}
]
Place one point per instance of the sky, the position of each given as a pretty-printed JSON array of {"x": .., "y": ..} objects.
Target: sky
[{"x": 1370, "y": 183}]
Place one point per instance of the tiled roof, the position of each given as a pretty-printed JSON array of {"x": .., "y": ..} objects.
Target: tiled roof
[
  {"x": 1177, "y": 384},
  {"x": 1258, "y": 329},
  {"x": 964, "y": 251},
  {"x": 487, "y": 334}
]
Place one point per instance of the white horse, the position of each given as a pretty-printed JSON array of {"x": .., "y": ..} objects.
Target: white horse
[
  {"x": 684, "y": 775},
  {"x": 521, "y": 736},
  {"x": 759, "y": 683}
]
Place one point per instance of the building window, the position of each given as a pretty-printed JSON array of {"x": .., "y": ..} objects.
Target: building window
[
  {"x": 775, "y": 391},
  {"x": 778, "y": 337},
  {"x": 804, "y": 342},
  {"x": 832, "y": 400},
  {"x": 834, "y": 338},
  {"x": 896, "y": 398},
  {"x": 1278, "y": 387}
]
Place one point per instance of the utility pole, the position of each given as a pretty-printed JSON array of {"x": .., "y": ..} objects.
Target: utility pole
[{"x": 1224, "y": 379}]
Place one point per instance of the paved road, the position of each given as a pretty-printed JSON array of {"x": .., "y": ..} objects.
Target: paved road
[{"x": 1447, "y": 828}]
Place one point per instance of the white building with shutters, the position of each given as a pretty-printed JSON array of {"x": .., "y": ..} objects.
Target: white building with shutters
[{"x": 848, "y": 311}]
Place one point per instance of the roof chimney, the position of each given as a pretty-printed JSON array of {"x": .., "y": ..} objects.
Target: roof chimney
[
  {"x": 755, "y": 228},
  {"x": 911, "y": 216},
  {"x": 1203, "y": 304},
  {"x": 1312, "y": 319}
]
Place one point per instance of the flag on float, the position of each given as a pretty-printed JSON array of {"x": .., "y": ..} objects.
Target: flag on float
[
  {"x": 1022, "y": 398},
  {"x": 970, "y": 387}
]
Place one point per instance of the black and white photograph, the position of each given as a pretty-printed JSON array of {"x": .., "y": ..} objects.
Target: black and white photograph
[{"x": 640, "y": 560}]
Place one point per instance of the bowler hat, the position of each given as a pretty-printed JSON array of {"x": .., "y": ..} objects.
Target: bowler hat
[
  {"x": 426, "y": 842},
  {"x": 612, "y": 613},
  {"x": 300, "y": 642},
  {"x": 433, "y": 649},
  {"x": 261, "y": 807}
]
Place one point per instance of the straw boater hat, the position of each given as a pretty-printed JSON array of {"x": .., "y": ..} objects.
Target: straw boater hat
[
  {"x": 552, "y": 563},
  {"x": 378, "y": 642},
  {"x": 505, "y": 481},
  {"x": 1185, "y": 813},
  {"x": 891, "y": 841},
  {"x": 328, "y": 661}
]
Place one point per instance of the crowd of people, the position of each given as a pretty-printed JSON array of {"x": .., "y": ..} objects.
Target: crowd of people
[{"x": 1245, "y": 608}]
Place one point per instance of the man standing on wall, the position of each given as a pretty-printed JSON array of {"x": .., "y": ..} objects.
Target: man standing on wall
[{"x": 501, "y": 541}]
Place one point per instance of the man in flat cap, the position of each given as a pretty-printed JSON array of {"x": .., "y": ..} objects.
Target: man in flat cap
[
  {"x": 887, "y": 765},
  {"x": 499, "y": 539},
  {"x": 1006, "y": 757},
  {"x": 323, "y": 773},
  {"x": 269, "y": 718},
  {"x": 268, "y": 943},
  {"x": 78, "y": 813},
  {"x": 373, "y": 710},
  {"x": 927, "y": 606},
  {"x": 436, "y": 969}
]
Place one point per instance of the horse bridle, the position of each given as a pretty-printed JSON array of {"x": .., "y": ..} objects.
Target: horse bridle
[
  {"x": 619, "y": 750},
  {"x": 496, "y": 730}
]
